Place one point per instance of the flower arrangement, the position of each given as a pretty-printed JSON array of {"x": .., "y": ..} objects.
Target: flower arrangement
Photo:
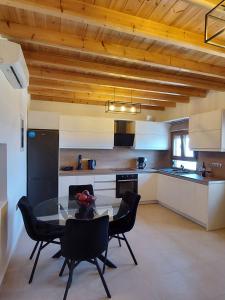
[{"x": 85, "y": 197}]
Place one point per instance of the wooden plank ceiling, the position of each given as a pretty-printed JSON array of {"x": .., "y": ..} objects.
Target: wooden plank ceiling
[{"x": 146, "y": 51}]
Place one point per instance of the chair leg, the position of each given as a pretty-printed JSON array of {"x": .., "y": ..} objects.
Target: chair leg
[
  {"x": 34, "y": 250},
  {"x": 57, "y": 254},
  {"x": 35, "y": 263},
  {"x": 104, "y": 263},
  {"x": 119, "y": 241},
  {"x": 71, "y": 268},
  {"x": 63, "y": 268},
  {"x": 129, "y": 248},
  {"x": 102, "y": 278}
]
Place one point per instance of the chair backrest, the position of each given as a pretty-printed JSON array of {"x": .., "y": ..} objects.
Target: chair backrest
[
  {"x": 74, "y": 189},
  {"x": 85, "y": 239},
  {"x": 30, "y": 221},
  {"x": 126, "y": 215}
]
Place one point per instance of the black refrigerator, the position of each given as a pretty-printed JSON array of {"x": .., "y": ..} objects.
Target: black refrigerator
[{"x": 42, "y": 165}]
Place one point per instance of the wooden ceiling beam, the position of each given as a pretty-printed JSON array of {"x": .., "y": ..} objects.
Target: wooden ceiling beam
[
  {"x": 69, "y": 63},
  {"x": 103, "y": 98},
  {"x": 86, "y": 102},
  {"x": 208, "y": 4},
  {"x": 117, "y": 21},
  {"x": 107, "y": 91},
  {"x": 68, "y": 76},
  {"x": 64, "y": 99},
  {"x": 71, "y": 42}
]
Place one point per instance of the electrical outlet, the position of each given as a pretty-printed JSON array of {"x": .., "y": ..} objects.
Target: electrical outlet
[{"x": 216, "y": 165}]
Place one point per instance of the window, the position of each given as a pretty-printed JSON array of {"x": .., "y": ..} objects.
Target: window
[{"x": 181, "y": 153}]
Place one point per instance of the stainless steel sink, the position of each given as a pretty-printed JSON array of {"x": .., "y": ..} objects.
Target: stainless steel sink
[
  {"x": 181, "y": 172},
  {"x": 176, "y": 171}
]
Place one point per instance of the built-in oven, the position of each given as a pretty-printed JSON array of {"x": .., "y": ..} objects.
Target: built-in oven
[{"x": 126, "y": 182}]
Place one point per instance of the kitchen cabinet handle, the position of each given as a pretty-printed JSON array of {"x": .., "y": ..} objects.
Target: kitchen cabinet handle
[{"x": 127, "y": 180}]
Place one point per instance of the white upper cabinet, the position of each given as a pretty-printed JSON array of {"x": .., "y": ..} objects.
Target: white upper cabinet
[
  {"x": 207, "y": 131},
  {"x": 86, "y": 132},
  {"x": 151, "y": 135}
]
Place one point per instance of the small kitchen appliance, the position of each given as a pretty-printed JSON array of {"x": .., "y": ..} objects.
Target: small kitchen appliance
[
  {"x": 141, "y": 162},
  {"x": 91, "y": 164}
]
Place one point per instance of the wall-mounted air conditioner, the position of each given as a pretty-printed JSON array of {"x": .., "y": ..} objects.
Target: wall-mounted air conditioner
[{"x": 13, "y": 65}]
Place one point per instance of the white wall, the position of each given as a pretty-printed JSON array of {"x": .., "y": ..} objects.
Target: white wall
[
  {"x": 213, "y": 101},
  {"x": 13, "y": 106},
  {"x": 87, "y": 110}
]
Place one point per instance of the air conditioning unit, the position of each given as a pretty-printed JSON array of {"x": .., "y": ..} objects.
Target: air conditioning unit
[{"x": 13, "y": 65}]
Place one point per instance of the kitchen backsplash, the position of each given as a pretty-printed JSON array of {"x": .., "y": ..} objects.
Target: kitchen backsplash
[
  {"x": 115, "y": 158},
  {"x": 212, "y": 157},
  {"x": 126, "y": 158}
]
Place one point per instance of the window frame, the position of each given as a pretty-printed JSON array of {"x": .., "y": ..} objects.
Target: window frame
[{"x": 181, "y": 133}]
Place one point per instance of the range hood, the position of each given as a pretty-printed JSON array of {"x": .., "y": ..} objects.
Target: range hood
[{"x": 123, "y": 133}]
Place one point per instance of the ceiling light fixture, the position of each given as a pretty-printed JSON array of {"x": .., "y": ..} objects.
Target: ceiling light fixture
[
  {"x": 114, "y": 106},
  {"x": 133, "y": 109},
  {"x": 215, "y": 26},
  {"x": 122, "y": 107},
  {"x": 111, "y": 107}
]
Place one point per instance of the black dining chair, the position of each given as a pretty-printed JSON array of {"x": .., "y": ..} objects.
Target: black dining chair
[
  {"x": 124, "y": 220},
  {"x": 84, "y": 240},
  {"x": 41, "y": 232},
  {"x": 74, "y": 189}
]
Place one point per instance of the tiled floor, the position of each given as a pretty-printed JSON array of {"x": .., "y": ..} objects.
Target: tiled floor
[{"x": 177, "y": 260}]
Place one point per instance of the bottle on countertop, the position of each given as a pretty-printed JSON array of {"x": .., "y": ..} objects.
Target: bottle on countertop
[
  {"x": 79, "y": 163},
  {"x": 203, "y": 170}
]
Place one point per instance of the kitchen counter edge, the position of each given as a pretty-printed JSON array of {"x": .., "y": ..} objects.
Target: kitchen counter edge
[
  {"x": 105, "y": 172},
  {"x": 188, "y": 177}
]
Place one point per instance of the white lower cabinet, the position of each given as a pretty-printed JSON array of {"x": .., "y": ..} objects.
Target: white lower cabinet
[
  {"x": 147, "y": 183},
  {"x": 104, "y": 185},
  {"x": 66, "y": 181},
  {"x": 204, "y": 204},
  {"x": 188, "y": 198}
]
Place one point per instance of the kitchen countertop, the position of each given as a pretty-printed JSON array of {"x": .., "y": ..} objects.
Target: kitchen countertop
[
  {"x": 186, "y": 176},
  {"x": 106, "y": 171},
  {"x": 193, "y": 177}
]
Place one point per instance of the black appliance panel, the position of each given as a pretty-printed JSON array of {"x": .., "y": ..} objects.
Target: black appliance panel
[
  {"x": 42, "y": 165},
  {"x": 124, "y": 139},
  {"x": 43, "y": 153},
  {"x": 39, "y": 190},
  {"x": 126, "y": 182}
]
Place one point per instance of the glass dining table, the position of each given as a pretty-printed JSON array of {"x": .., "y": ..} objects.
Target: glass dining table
[{"x": 57, "y": 210}]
